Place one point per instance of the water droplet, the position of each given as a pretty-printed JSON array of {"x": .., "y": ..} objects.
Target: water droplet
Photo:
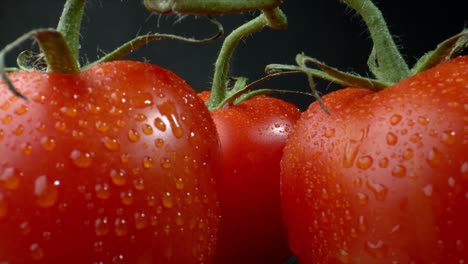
[
  {"x": 26, "y": 148},
  {"x": 379, "y": 190},
  {"x": 179, "y": 219},
  {"x": 120, "y": 226},
  {"x": 36, "y": 252},
  {"x": 179, "y": 184},
  {"x": 141, "y": 220},
  {"x": 5, "y": 106},
  {"x": 46, "y": 192},
  {"x": 167, "y": 200},
  {"x": 101, "y": 226},
  {"x": 377, "y": 249},
  {"x": 81, "y": 159},
  {"x": 364, "y": 162},
  {"x": 448, "y": 137},
  {"x": 170, "y": 111},
  {"x": 47, "y": 143},
  {"x": 139, "y": 184},
  {"x": 147, "y": 129},
  {"x": 451, "y": 182},
  {"x": 101, "y": 126},
  {"x": 126, "y": 197},
  {"x": 98, "y": 247},
  {"x": 140, "y": 117},
  {"x": 133, "y": 135},
  {"x": 362, "y": 223},
  {"x": 159, "y": 124},
  {"x": 142, "y": 100},
  {"x": 118, "y": 259},
  {"x": 166, "y": 163},
  {"x": 125, "y": 158},
  {"x": 362, "y": 198},
  {"x": 399, "y": 171},
  {"x": 416, "y": 138},
  {"x": 391, "y": 138},
  {"x": 427, "y": 190},
  {"x": 111, "y": 143},
  {"x": 102, "y": 191},
  {"x": 159, "y": 142},
  {"x": 60, "y": 126},
  {"x": 395, "y": 119},
  {"x": 25, "y": 228},
  {"x": 423, "y": 120},
  {"x": 118, "y": 177},
  {"x": 434, "y": 157},
  {"x": 10, "y": 178},
  {"x": 69, "y": 111},
  {"x": 21, "y": 110},
  {"x": 148, "y": 162},
  {"x": 18, "y": 131},
  {"x": 329, "y": 132},
  {"x": 408, "y": 154},
  {"x": 350, "y": 153},
  {"x": 7, "y": 119}
]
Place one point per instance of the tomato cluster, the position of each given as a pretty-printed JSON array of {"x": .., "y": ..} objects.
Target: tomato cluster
[{"x": 123, "y": 162}]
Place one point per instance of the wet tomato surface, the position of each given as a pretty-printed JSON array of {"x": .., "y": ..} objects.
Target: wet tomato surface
[
  {"x": 383, "y": 178},
  {"x": 116, "y": 164}
]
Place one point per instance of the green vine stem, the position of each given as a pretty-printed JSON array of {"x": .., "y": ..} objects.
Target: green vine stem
[
  {"x": 70, "y": 24},
  {"x": 389, "y": 64},
  {"x": 220, "y": 78},
  {"x": 208, "y": 7}
]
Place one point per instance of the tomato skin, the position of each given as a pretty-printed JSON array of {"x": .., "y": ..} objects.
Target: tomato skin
[
  {"x": 252, "y": 135},
  {"x": 383, "y": 177},
  {"x": 115, "y": 164}
]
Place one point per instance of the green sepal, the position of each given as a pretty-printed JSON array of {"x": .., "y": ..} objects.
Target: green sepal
[{"x": 446, "y": 50}]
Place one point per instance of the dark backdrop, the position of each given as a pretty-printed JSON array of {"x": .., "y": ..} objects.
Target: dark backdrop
[{"x": 325, "y": 29}]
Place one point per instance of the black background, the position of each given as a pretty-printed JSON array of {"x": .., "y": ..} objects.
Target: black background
[{"x": 325, "y": 29}]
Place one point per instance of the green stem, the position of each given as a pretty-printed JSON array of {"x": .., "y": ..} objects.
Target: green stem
[
  {"x": 208, "y": 7},
  {"x": 276, "y": 18},
  {"x": 57, "y": 53},
  {"x": 391, "y": 65},
  {"x": 70, "y": 23},
  {"x": 219, "y": 86}
]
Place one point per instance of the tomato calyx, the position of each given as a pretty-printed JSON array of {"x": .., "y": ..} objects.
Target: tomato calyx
[
  {"x": 385, "y": 61},
  {"x": 60, "y": 47}
]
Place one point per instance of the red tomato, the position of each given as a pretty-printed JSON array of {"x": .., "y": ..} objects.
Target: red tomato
[
  {"x": 252, "y": 135},
  {"x": 112, "y": 165},
  {"x": 383, "y": 178}
]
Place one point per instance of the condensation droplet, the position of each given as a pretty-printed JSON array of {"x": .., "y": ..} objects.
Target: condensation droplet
[
  {"x": 81, "y": 159},
  {"x": 350, "y": 153},
  {"x": 46, "y": 192},
  {"x": 364, "y": 162},
  {"x": 427, "y": 190},
  {"x": 166, "y": 163},
  {"x": 159, "y": 124},
  {"x": 408, "y": 154},
  {"x": 25, "y": 228},
  {"x": 159, "y": 142},
  {"x": 167, "y": 200},
  {"x": 22, "y": 109},
  {"x": 179, "y": 219},
  {"x": 377, "y": 249},
  {"x": 10, "y": 178},
  {"x": 147, "y": 129},
  {"x": 36, "y": 252},
  {"x": 69, "y": 111},
  {"x": 102, "y": 191},
  {"x": 399, "y": 171},
  {"x": 18, "y": 131},
  {"x": 362, "y": 223},
  {"x": 111, "y": 143},
  {"x": 3, "y": 206},
  {"x": 133, "y": 135},
  {"x": 98, "y": 247},
  {"x": 169, "y": 110},
  {"x": 118, "y": 259},
  {"x": 451, "y": 182},
  {"x": 26, "y": 149},
  {"x": 423, "y": 120},
  {"x": 102, "y": 126},
  {"x": 434, "y": 157},
  {"x": 362, "y": 198},
  {"x": 179, "y": 184},
  {"x": 140, "y": 117},
  {"x": 139, "y": 184},
  {"x": 391, "y": 138},
  {"x": 60, "y": 126},
  {"x": 48, "y": 143},
  {"x": 126, "y": 197},
  {"x": 448, "y": 137},
  {"x": 148, "y": 162},
  {"x": 395, "y": 119},
  {"x": 101, "y": 226},
  {"x": 7, "y": 119},
  {"x": 118, "y": 177},
  {"x": 141, "y": 220},
  {"x": 379, "y": 190},
  {"x": 125, "y": 158},
  {"x": 120, "y": 226},
  {"x": 383, "y": 163},
  {"x": 329, "y": 132}
]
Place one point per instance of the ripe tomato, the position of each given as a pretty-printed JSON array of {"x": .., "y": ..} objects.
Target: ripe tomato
[
  {"x": 115, "y": 164},
  {"x": 252, "y": 135},
  {"x": 383, "y": 178}
]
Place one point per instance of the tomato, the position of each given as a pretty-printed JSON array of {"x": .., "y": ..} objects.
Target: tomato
[
  {"x": 383, "y": 178},
  {"x": 116, "y": 164},
  {"x": 252, "y": 135}
]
